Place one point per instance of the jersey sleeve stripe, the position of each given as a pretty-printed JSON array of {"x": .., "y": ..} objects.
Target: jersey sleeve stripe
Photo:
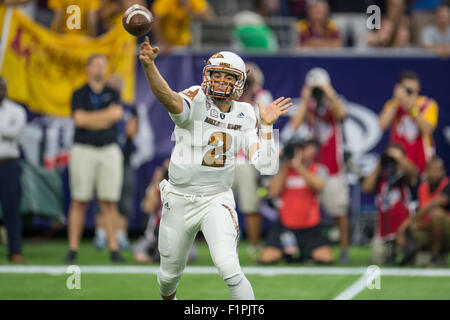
[{"x": 187, "y": 102}]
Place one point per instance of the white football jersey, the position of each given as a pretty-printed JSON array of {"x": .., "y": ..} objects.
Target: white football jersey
[{"x": 207, "y": 141}]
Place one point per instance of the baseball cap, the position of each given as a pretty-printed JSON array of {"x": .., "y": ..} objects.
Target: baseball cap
[{"x": 317, "y": 77}]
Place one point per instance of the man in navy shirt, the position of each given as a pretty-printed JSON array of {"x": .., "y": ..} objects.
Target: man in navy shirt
[{"x": 96, "y": 162}]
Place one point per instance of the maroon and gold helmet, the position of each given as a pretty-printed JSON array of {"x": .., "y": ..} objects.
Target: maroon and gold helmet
[{"x": 225, "y": 61}]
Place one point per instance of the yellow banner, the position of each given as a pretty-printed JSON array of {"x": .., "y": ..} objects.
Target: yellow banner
[{"x": 43, "y": 68}]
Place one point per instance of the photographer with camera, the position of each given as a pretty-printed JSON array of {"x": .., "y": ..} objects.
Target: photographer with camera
[
  {"x": 429, "y": 228},
  {"x": 412, "y": 117},
  {"x": 321, "y": 113},
  {"x": 390, "y": 181},
  {"x": 298, "y": 184}
]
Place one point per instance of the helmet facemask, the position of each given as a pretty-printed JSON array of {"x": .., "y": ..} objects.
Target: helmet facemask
[{"x": 232, "y": 90}]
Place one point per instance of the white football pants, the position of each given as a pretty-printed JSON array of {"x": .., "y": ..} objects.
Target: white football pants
[{"x": 182, "y": 217}]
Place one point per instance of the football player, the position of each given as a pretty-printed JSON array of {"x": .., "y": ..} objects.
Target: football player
[{"x": 210, "y": 128}]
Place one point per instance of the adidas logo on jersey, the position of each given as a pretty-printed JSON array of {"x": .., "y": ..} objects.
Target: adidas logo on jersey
[
  {"x": 241, "y": 115},
  {"x": 166, "y": 205}
]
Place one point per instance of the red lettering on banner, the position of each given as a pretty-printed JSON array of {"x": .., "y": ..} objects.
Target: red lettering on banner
[{"x": 16, "y": 46}]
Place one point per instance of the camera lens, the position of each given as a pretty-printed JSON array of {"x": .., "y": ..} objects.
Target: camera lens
[{"x": 409, "y": 91}]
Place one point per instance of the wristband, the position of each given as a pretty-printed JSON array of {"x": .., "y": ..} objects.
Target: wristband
[{"x": 266, "y": 129}]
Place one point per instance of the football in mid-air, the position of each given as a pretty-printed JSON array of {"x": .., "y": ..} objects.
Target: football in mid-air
[{"x": 137, "y": 20}]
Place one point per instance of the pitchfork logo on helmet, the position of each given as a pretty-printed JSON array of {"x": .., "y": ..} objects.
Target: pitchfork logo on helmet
[{"x": 224, "y": 61}]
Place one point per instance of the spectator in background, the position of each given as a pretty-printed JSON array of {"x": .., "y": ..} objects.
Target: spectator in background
[
  {"x": 351, "y": 18},
  {"x": 127, "y": 129},
  {"x": 88, "y": 20},
  {"x": 396, "y": 11},
  {"x": 317, "y": 30},
  {"x": 390, "y": 181},
  {"x": 429, "y": 228},
  {"x": 384, "y": 36},
  {"x": 402, "y": 38},
  {"x": 395, "y": 28},
  {"x": 96, "y": 160},
  {"x": 252, "y": 34},
  {"x": 12, "y": 122},
  {"x": 246, "y": 176},
  {"x": 436, "y": 38},
  {"x": 422, "y": 14},
  {"x": 298, "y": 184},
  {"x": 323, "y": 113},
  {"x": 412, "y": 119},
  {"x": 172, "y": 25}
]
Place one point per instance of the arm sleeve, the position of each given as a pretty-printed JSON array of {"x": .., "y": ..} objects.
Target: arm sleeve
[
  {"x": 191, "y": 97},
  {"x": 182, "y": 119},
  {"x": 76, "y": 102},
  {"x": 430, "y": 114}
]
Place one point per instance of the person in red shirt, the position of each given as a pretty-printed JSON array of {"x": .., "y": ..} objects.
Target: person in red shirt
[
  {"x": 390, "y": 181},
  {"x": 412, "y": 119},
  {"x": 429, "y": 228},
  {"x": 298, "y": 184},
  {"x": 320, "y": 114}
]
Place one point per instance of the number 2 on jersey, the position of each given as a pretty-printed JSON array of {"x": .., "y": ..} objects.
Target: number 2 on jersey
[{"x": 216, "y": 156}]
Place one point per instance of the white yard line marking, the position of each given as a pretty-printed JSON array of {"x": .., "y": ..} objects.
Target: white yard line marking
[
  {"x": 265, "y": 271},
  {"x": 354, "y": 289}
]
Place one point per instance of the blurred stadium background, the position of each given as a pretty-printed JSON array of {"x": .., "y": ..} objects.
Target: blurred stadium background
[{"x": 43, "y": 63}]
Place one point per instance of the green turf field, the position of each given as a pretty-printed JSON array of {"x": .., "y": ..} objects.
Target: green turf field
[{"x": 282, "y": 281}]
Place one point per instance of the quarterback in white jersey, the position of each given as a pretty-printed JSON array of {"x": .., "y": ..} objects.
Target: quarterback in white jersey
[{"x": 211, "y": 127}]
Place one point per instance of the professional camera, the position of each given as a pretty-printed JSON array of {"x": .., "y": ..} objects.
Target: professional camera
[
  {"x": 318, "y": 95},
  {"x": 289, "y": 149},
  {"x": 389, "y": 167},
  {"x": 294, "y": 144}
]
